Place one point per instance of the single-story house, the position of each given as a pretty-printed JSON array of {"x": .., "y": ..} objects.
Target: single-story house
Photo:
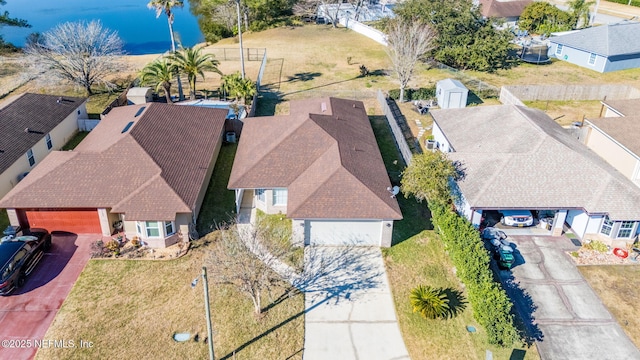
[
  {"x": 321, "y": 167},
  {"x": 146, "y": 165},
  {"x": 517, "y": 158},
  {"x": 507, "y": 10},
  {"x": 615, "y": 139},
  {"x": 31, "y": 127},
  {"x": 602, "y": 48}
]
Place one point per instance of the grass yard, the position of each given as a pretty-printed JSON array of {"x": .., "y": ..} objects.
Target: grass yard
[
  {"x": 75, "y": 140},
  {"x": 131, "y": 309},
  {"x": 567, "y": 112},
  {"x": 219, "y": 202},
  {"x": 619, "y": 288}
]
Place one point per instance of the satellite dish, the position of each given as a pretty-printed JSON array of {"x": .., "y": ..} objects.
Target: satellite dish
[{"x": 394, "y": 191}]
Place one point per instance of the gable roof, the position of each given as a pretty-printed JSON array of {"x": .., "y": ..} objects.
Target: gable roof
[
  {"x": 36, "y": 112},
  {"x": 604, "y": 40},
  {"x": 626, "y": 107},
  {"x": 151, "y": 171},
  {"x": 325, "y": 154},
  {"x": 625, "y": 130},
  {"x": 517, "y": 157},
  {"x": 503, "y": 9}
]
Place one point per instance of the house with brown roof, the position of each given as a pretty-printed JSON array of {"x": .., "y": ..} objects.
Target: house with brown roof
[
  {"x": 617, "y": 108},
  {"x": 321, "y": 167},
  {"x": 31, "y": 127},
  {"x": 146, "y": 165},
  {"x": 508, "y": 10},
  {"x": 518, "y": 158}
]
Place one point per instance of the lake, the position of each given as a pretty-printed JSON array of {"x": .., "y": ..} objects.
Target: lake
[{"x": 137, "y": 25}]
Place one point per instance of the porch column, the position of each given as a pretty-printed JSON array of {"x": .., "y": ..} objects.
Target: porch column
[
  {"x": 104, "y": 222},
  {"x": 476, "y": 217},
  {"x": 558, "y": 223}
]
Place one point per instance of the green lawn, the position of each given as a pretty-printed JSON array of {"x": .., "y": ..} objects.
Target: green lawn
[
  {"x": 219, "y": 202},
  {"x": 75, "y": 140},
  {"x": 130, "y": 310}
]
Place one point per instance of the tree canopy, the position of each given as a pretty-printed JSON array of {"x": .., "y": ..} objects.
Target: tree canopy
[
  {"x": 465, "y": 39},
  {"x": 428, "y": 177},
  {"x": 160, "y": 74},
  {"x": 192, "y": 62},
  {"x": 542, "y": 17}
]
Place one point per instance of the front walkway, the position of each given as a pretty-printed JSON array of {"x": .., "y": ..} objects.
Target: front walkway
[
  {"x": 563, "y": 313},
  {"x": 349, "y": 308}
]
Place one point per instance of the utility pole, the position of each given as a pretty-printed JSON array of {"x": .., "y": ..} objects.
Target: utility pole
[
  {"x": 205, "y": 285},
  {"x": 240, "y": 38}
]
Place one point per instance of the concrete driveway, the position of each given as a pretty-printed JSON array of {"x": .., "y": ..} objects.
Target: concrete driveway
[
  {"x": 564, "y": 315},
  {"x": 27, "y": 313},
  {"x": 349, "y": 308}
]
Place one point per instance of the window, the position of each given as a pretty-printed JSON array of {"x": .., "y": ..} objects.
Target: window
[
  {"x": 152, "y": 228},
  {"x": 559, "y": 49},
  {"x": 169, "y": 229},
  {"x": 592, "y": 59},
  {"x": 260, "y": 194},
  {"x": 31, "y": 158},
  {"x": 625, "y": 229},
  {"x": 279, "y": 196},
  {"x": 607, "y": 224},
  {"x": 49, "y": 142},
  {"x": 138, "y": 228}
]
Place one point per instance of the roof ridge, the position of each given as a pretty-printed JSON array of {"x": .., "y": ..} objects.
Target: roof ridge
[{"x": 144, "y": 186}]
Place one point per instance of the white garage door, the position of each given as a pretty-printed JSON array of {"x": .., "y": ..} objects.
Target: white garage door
[{"x": 344, "y": 232}]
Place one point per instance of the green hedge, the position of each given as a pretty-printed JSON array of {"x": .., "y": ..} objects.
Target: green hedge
[
  {"x": 626, "y": 2},
  {"x": 491, "y": 305},
  {"x": 414, "y": 94}
]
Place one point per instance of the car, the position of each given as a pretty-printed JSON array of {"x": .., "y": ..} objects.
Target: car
[
  {"x": 20, "y": 253},
  {"x": 517, "y": 218}
]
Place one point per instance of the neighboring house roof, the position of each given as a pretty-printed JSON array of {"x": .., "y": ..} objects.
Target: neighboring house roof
[
  {"x": 27, "y": 119},
  {"x": 625, "y": 107},
  {"x": 325, "y": 154},
  {"x": 503, "y": 9},
  {"x": 517, "y": 157},
  {"x": 604, "y": 40},
  {"x": 625, "y": 130},
  {"x": 151, "y": 171}
]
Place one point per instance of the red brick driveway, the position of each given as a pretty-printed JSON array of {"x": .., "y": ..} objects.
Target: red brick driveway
[{"x": 26, "y": 314}]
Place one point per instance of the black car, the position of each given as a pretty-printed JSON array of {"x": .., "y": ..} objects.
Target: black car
[{"x": 19, "y": 255}]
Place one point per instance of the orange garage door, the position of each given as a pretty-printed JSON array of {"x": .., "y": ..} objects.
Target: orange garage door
[{"x": 76, "y": 221}]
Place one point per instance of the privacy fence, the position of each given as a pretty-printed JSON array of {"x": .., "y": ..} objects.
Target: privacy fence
[{"x": 515, "y": 94}]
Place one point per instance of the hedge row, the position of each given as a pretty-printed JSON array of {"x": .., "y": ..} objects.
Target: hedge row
[
  {"x": 626, "y": 2},
  {"x": 414, "y": 94},
  {"x": 491, "y": 305}
]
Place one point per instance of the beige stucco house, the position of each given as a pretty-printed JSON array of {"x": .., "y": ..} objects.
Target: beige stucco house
[
  {"x": 31, "y": 127},
  {"x": 145, "y": 165},
  {"x": 321, "y": 167}
]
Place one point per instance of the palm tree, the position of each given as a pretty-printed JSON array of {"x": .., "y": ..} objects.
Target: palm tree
[
  {"x": 193, "y": 62},
  {"x": 235, "y": 85},
  {"x": 580, "y": 11},
  {"x": 431, "y": 303},
  {"x": 159, "y": 73},
  {"x": 165, "y": 6}
]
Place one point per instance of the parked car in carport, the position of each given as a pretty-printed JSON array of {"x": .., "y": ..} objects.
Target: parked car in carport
[
  {"x": 518, "y": 218},
  {"x": 20, "y": 253}
]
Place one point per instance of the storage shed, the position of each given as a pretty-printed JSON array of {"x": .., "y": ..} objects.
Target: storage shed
[
  {"x": 139, "y": 95},
  {"x": 451, "y": 94}
]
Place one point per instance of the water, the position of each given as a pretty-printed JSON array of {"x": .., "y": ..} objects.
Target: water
[{"x": 134, "y": 22}]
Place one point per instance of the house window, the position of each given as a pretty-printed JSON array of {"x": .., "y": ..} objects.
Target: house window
[
  {"x": 625, "y": 229},
  {"x": 169, "y": 228},
  {"x": 31, "y": 158},
  {"x": 260, "y": 195},
  {"x": 559, "y": 49},
  {"x": 138, "y": 228},
  {"x": 592, "y": 59},
  {"x": 152, "y": 229},
  {"x": 607, "y": 225},
  {"x": 279, "y": 196},
  {"x": 47, "y": 138}
]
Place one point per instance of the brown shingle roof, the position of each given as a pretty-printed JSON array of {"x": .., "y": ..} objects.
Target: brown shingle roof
[
  {"x": 503, "y": 9},
  {"x": 39, "y": 113},
  {"x": 150, "y": 172},
  {"x": 325, "y": 155},
  {"x": 625, "y": 130},
  {"x": 627, "y": 107}
]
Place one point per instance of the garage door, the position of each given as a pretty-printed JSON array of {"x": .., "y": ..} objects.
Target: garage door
[
  {"x": 75, "y": 221},
  {"x": 344, "y": 232}
]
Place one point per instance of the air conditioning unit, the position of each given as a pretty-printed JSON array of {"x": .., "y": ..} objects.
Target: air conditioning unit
[{"x": 21, "y": 176}]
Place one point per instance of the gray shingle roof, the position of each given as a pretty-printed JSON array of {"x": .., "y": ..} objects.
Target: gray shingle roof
[
  {"x": 605, "y": 40},
  {"x": 517, "y": 157},
  {"x": 626, "y": 107},
  {"x": 625, "y": 130},
  {"x": 40, "y": 113}
]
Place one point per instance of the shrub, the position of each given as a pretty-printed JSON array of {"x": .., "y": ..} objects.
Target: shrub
[
  {"x": 136, "y": 241},
  {"x": 430, "y": 302},
  {"x": 414, "y": 94},
  {"x": 113, "y": 246},
  {"x": 364, "y": 71},
  {"x": 596, "y": 245}
]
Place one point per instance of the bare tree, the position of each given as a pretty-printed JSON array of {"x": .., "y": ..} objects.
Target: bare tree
[
  {"x": 407, "y": 43},
  {"x": 80, "y": 52}
]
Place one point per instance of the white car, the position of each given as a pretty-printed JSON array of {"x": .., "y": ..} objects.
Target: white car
[{"x": 518, "y": 218}]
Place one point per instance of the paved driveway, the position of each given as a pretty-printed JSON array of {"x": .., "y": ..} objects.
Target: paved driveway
[
  {"x": 349, "y": 308},
  {"x": 565, "y": 315},
  {"x": 28, "y": 312}
]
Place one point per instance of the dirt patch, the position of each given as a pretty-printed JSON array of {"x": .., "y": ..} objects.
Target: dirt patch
[{"x": 594, "y": 257}]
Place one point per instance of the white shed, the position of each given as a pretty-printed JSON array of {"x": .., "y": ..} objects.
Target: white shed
[
  {"x": 139, "y": 95},
  {"x": 451, "y": 94}
]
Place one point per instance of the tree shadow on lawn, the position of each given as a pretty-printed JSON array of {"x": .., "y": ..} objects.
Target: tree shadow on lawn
[
  {"x": 457, "y": 302},
  {"x": 303, "y": 76}
]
